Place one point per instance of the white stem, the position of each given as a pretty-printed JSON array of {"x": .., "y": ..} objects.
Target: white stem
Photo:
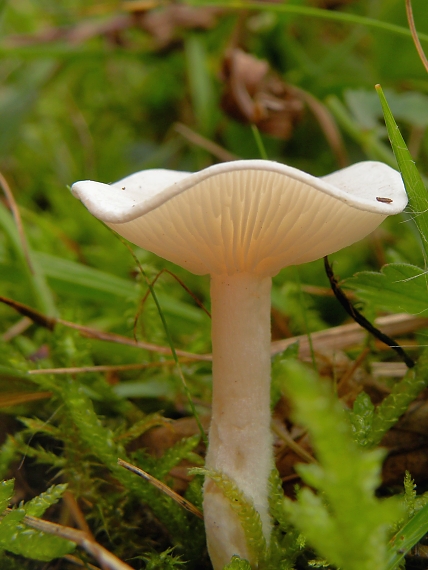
[{"x": 240, "y": 442}]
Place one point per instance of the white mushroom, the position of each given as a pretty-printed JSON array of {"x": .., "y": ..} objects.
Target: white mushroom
[{"x": 241, "y": 222}]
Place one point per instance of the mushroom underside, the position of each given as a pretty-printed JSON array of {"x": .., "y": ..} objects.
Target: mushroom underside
[{"x": 248, "y": 221}]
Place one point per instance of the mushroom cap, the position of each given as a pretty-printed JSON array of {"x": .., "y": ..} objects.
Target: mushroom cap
[{"x": 253, "y": 216}]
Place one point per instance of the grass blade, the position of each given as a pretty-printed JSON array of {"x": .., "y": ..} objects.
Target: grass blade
[
  {"x": 418, "y": 198},
  {"x": 407, "y": 537}
]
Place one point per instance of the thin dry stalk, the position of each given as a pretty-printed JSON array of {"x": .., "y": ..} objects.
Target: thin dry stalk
[
  {"x": 327, "y": 124},
  {"x": 106, "y": 559},
  {"x": 204, "y": 143},
  {"x": 350, "y": 371},
  {"x": 51, "y": 322},
  {"x": 76, "y": 513},
  {"x": 78, "y": 562},
  {"x": 18, "y": 328},
  {"x": 335, "y": 338},
  {"x": 283, "y": 434},
  {"x": 182, "y": 284},
  {"x": 107, "y": 367},
  {"x": 345, "y": 336},
  {"x": 415, "y": 37},
  {"x": 162, "y": 487},
  {"x": 16, "y": 398},
  {"x": 18, "y": 221},
  {"x": 119, "y": 339}
]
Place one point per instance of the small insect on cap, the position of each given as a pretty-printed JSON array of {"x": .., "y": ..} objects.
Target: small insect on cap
[{"x": 247, "y": 215}]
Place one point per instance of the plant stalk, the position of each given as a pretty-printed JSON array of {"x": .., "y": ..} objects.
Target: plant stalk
[{"x": 240, "y": 441}]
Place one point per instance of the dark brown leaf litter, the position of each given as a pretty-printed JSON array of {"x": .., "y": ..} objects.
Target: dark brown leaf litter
[{"x": 254, "y": 94}]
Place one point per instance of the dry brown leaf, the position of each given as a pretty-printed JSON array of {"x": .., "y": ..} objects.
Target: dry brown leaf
[
  {"x": 253, "y": 93},
  {"x": 164, "y": 24}
]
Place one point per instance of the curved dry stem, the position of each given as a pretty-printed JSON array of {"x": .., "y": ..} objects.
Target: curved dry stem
[
  {"x": 162, "y": 487},
  {"x": 415, "y": 36},
  {"x": 18, "y": 221}
]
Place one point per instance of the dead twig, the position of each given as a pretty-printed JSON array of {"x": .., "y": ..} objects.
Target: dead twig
[
  {"x": 18, "y": 328},
  {"x": 119, "y": 339},
  {"x": 345, "y": 336},
  {"x": 204, "y": 143},
  {"x": 335, "y": 338},
  {"x": 51, "y": 322},
  {"x": 105, "y": 367},
  {"x": 283, "y": 434},
  {"x": 26, "y": 311},
  {"x": 415, "y": 37},
  {"x": 106, "y": 559},
  {"x": 162, "y": 487}
]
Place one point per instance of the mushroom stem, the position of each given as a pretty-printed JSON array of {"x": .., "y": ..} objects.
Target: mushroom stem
[{"x": 240, "y": 441}]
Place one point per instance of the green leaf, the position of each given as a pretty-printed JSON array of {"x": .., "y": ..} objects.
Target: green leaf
[
  {"x": 398, "y": 287},
  {"x": 406, "y": 538},
  {"x": 34, "y": 275},
  {"x": 37, "y": 506},
  {"x": 72, "y": 278},
  {"x": 88, "y": 281},
  {"x": 16, "y": 103},
  {"x": 286, "y": 543},
  {"x": 409, "y": 498},
  {"x": 6, "y": 493},
  {"x": 409, "y": 106},
  {"x": 97, "y": 437},
  {"x": 361, "y": 418},
  {"x": 19, "y": 539},
  {"x": 100, "y": 440},
  {"x": 367, "y": 138},
  {"x": 8, "y": 452},
  {"x": 12, "y": 374},
  {"x": 397, "y": 402},
  {"x": 237, "y": 563},
  {"x": 175, "y": 454},
  {"x": 201, "y": 88},
  {"x": 345, "y": 521},
  {"x": 244, "y": 509},
  {"x": 418, "y": 197}
]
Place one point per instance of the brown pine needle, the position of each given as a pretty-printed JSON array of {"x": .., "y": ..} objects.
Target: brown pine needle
[{"x": 162, "y": 487}]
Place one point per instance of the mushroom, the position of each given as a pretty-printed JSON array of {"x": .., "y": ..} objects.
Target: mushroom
[{"x": 241, "y": 222}]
